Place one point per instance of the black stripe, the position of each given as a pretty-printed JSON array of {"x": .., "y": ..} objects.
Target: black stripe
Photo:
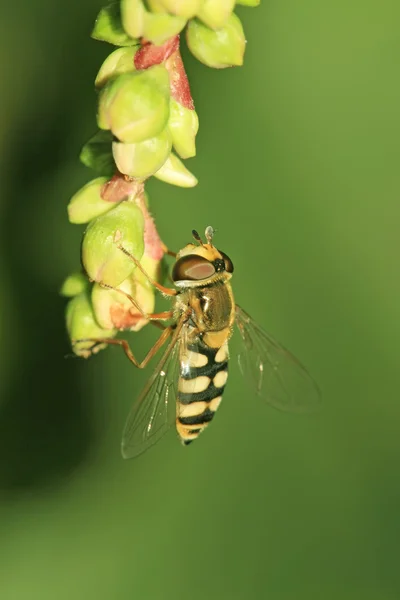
[
  {"x": 206, "y": 396},
  {"x": 202, "y": 348},
  {"x": 210, "y": 370},
  {"x": 204, "y": 417}
]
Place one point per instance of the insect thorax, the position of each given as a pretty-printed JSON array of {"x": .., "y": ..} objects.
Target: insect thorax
[{"x": 212, "y": 307}]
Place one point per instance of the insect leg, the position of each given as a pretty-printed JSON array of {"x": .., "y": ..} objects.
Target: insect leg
[
  {"x": 155, "y": 318},
  {"x": 162, "y": 316},
  {"x": 161, "y": 288},
  {"x": 168, "y": 251},
  {"x": 126, "y": 348}
]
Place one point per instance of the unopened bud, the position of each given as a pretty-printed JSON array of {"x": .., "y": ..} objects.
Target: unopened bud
[
  {"x": 96, "y": 153},
  {"x": 114, "y": 309},
  {"x": 102, "y": 258},
  {"x": 160, "y": 27},
  {"x": 155, "y": 6},
  {"x": 132, "y": 16},
  {"x": 75, "y": 284},
  {"x": 135, "y": 106},
  {"x": 183, "y": 8},
  {"x": 118, "y": 62},
  {"x": 174, "y": 172},
  {"x": 81, "y": 325},
  {"x": 87, "y": 203},
  {"x": 218, "y": 49},
  {"x": 143, "y": 159},
  {"x": 215, "y": 13},
  {"x": 108, "y": 27},
  {"x": 183, "y": 124}
]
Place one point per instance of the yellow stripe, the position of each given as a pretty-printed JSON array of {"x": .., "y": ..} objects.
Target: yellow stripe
[
  {"x": 185, "y": 431},
  {"x": 194, "y": 359},
  {"x": 191, "y": 410},
  {"x": 193, "y": 386},
  {"x": 220, "y": 379},
  {"x": 222, "y": 353},
  {"x": 213, "y": 405}
]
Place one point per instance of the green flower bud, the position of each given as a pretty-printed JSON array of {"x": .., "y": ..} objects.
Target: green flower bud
[
  {"x": 156, "y": 6},
  {"x": 135, "y": 106},
  {"x": 118, "y": 62},
  {"x": 159, "y": 27},
  {"x": 87, "y": 203},
  {"x": 248, "y": 2},
  {"x": 174, "y": 172},
  {"x": 218, "y": 49},
  {"x": 73, "y": 285},
  {"x": 183, "y": 124},
  {"x": 132, "y": 16},
  {"x": 183, "y": 8},
  {"x": 102, "y": 259},
  {"x": 108, "y": 27},
  {"x": 115, "y": 310},
  {"x": 106, "y": 302},
  {"x": 96, "y": 153},
  {"x": 143, "y": 159},
  {"x": 215, "y": 13},
  {"x": 81, "y": 324}
]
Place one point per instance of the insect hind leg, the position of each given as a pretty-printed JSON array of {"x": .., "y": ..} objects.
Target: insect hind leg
[{"x": 124, "y": 344}]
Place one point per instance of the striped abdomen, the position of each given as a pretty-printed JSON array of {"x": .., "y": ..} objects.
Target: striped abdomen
[{"x": 202, "y": 379}]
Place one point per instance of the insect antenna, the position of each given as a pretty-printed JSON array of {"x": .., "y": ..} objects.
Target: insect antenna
[
  {"x": 197, "y": 237},
  {"x": 210, "y": 234}
]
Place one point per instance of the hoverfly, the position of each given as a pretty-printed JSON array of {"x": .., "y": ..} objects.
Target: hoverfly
[{"x": 187, "y": 385}]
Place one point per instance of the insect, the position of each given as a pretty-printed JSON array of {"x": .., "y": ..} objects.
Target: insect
[{"x": 187, "y": 386}]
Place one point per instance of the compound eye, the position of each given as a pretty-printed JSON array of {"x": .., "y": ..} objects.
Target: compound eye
[
  {"x": 192, "y": 268},
  {"x": 227, "y": 261}
]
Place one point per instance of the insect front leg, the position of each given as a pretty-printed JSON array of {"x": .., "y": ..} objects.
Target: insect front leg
[
  {"x": 168, "y": 251},
  {"x": 152, "y": 317},
  {"x": 158, "y": 286},
  {"x": 124, "y": 344}
]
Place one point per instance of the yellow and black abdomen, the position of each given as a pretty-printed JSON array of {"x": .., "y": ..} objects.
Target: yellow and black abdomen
[{"x": 202, "y": 380}]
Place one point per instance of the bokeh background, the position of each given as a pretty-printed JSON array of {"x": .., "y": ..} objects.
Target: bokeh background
[{"x": 298, "y": 162}]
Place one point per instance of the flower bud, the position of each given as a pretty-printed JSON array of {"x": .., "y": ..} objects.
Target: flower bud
[
  {"x": 215, "y": 13},
  {"x": 135, "y": 106},
  {"x": 73, "y": 285},
  {"x": 87, "y": 203},
  {"x": 96, "y": 153},
  {"x": 183, "y": 124},
  {"x": 184, "y": 8},
  {"x": 108, "y": 27},
  {"x": 156, "y": 6},
  {"x": 160, "y": 27},
  {"x": 118, "y": 62},
  {"x": 248, "y": 2},
  {"x": 218, "y": 49},
  {"x": 102, "y": 259},
  {"x": 174, "y": 172},
  {"x": 81, "y": 324},
  {"x": 114, "y": 310},
  {"x": 132, "y": 16},
  {"x": 143, "y": 159}
]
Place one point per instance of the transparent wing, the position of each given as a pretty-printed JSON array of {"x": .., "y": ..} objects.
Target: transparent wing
[
  {"x": 154, "y": 411},
  {"x": 272, "y": 371}
]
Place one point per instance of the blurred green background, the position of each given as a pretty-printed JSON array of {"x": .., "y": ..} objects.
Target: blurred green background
[{"x": 298, "y": 162}]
